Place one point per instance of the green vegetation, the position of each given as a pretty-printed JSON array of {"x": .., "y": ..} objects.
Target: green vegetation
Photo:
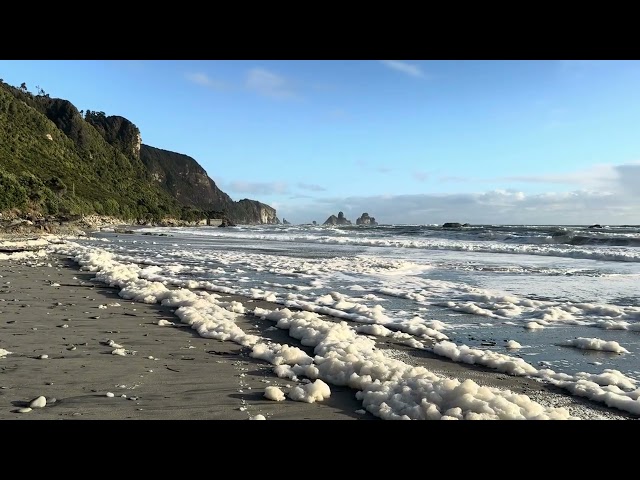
[
  {"x": 56, "y": 160},
  {"x": 52, "y": 161}
]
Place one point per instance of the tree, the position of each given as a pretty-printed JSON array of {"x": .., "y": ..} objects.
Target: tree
[
  {"x": 56, "y": 185},
  {"x": 98, "y": 207},
  {"x": 12, "y": 193},
  {"x": 111, "y": 207}
]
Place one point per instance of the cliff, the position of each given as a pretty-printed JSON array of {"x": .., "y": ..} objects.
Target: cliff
[{"x": 54, "y": 161}]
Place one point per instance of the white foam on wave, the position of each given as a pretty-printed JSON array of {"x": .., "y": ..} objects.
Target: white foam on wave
[
  {"x": 620, "y": 254},
  {"x": 595, "y": 344}
]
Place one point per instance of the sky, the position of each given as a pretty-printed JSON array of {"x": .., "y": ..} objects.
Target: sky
[{"x": 407, "y": 141}]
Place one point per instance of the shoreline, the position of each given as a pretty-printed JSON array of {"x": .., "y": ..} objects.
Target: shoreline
[{"x": 188, "y": 376}]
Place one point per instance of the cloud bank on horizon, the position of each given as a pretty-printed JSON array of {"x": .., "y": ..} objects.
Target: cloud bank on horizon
[{"x": 601, "y": 194}]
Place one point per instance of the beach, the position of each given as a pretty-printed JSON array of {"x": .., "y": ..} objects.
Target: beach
[
  {"x": 173, "y": 374},
  {"x": 94, "y": 355}
]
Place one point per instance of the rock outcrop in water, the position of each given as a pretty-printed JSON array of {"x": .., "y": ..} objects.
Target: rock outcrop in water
[
  {"x": 365, "y": 219},
  {"x": 339, "y": 220},
  {"x": 455, "y": 225}
]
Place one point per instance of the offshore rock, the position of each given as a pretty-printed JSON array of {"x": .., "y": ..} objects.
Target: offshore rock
[
  {"x": 365, "y": 219},
  {"x": 339, "y": 220}
]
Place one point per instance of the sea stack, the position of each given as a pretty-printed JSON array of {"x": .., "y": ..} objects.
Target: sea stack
[
  {"x": 365, "y": 219},
  {"x": 339, "y": 220}
]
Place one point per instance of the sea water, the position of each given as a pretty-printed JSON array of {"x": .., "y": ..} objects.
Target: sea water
[{"x": 540, "y": 286}]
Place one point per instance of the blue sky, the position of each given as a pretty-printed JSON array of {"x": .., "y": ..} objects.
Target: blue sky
[{"x": 408, "y": 141}]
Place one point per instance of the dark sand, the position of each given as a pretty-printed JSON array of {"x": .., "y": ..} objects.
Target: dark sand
[{"x": 189, "y": 377}]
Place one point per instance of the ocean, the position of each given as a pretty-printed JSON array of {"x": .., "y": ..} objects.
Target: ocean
[{"x": 556, "y": 303}]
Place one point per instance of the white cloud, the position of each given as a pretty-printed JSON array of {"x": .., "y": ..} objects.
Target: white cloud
[
  {"x": 261, "y": 188},
  {"x": 204, "y": 80},
  {"x": 404, "y": 67},
  {"x": 598, "y": 176},
  {"x": 269, "y": 84},
  {"x": 492, "y": 207},
  {"x": 311, "y": 186},
  {"x": 629, "y": 178},
  {"x": 604, "y": 194}
]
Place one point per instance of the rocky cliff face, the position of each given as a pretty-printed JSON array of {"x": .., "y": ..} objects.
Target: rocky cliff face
[
  {"x": 186, "y": 180},
  {"x": 117, "y": 131},
  {"x": 247, "y": 211}
]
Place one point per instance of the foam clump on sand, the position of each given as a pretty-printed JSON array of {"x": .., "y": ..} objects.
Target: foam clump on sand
[
  {"x": 512, "y": 344},
  {"x": 610, "y": 387},
  {"x": 234, "y": 306},
  {"x": 4, "y": 353},
  {"x": 430, "y": 329},
  {"x": 533, "y": 326},
  {"x": 596, "y": 344},
  {"x": 278, "y": 354},
  {"x": 609, "y": 377},
  {"x": 498, "y": 361},
  {"x": 274, "y": 393},
  {"x": 285, "y": 371},
  {"x": 258, "y": 417},
  {"x": 373, "y": 329},
  {"x": 311, "y": 392},
  {"x": 392, "y": 389},
  {"x": 26, "y": 244},
  {"x": 614, "y": 325}
]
